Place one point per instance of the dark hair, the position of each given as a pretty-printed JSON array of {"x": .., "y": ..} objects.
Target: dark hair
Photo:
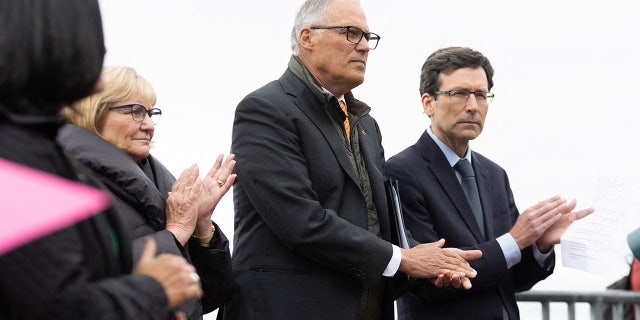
[
  {"x": 448, "y": 60},
  {"x": 51, "y": 53}
]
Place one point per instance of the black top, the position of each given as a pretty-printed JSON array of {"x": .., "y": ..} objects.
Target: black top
[
  {"x": 140, "y": 192},
  {"x": 75, "y": 273}
]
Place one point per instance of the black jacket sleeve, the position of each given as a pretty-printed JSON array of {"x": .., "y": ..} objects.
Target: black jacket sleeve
[{"x": 214, "y": 268}]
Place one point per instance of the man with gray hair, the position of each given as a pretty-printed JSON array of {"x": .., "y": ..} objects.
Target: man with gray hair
[{"x": 312, "y": 226}]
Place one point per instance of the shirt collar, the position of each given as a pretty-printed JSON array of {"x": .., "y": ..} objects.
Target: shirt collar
[
  {"x": 340, "y": 98},
  {"x": 451, "y": 156}
]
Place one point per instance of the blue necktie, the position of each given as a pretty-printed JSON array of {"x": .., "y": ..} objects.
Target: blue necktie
[{"x": 470, "y": 188}]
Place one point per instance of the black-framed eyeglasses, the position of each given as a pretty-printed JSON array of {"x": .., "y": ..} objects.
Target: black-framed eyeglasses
[
  {"x": 138, "y": 112},
  {"x": 462, "y": 95},
  {"x": 355, "y": 35}
]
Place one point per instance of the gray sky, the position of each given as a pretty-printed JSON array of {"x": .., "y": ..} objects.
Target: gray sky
[{"x": 566, "y": 83}]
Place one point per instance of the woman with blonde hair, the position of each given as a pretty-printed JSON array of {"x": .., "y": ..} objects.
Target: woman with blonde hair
[{"x": 111, "y": 132}]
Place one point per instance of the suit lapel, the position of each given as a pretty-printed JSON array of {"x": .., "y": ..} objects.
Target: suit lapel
[
  {"x": 446, "y": 177},
  {"x": 304, "y": 99}
]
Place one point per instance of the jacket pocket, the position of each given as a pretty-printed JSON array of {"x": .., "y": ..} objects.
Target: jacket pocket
[{"x": 279, "y": 269}]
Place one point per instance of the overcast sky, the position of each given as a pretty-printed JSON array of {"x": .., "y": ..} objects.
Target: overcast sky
[{"x": 566, "y": 83}]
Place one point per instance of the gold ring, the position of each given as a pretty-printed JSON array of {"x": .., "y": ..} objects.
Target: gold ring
[{"x": 220, "y": 183}]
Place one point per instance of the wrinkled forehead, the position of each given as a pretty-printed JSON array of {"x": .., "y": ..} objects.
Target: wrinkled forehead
[
  {"x": 346, "y": 13},
  {"x": 468, "y": 77}
]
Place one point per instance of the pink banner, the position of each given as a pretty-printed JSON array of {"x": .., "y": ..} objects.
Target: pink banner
[{"x": 34, "y": 203}]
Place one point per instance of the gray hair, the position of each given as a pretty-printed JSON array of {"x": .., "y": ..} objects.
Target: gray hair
[{"x": 311, "y": 12}]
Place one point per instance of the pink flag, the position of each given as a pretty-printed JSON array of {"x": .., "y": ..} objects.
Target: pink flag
[{"x": 34, "y": 203}]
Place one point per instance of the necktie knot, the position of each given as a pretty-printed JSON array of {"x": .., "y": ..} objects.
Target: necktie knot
[
  {"x": 464, "y": 168},
  {"x": 343, "y": 106}
]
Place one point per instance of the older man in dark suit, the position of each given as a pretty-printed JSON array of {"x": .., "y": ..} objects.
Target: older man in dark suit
[
  {"x": 451, "y": 192},
  {"x": 311, "y": 220}
]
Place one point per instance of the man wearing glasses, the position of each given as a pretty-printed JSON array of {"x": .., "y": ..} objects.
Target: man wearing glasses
[
  {"x": 311, "y": 219},
  {"x": 451, "y": 192}
]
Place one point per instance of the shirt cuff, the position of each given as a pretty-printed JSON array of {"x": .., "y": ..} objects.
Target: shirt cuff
[
  {"x": 394, "y": 263},
  {"x": 509, "y": 249},
  {"x": 540, "y": 257}
]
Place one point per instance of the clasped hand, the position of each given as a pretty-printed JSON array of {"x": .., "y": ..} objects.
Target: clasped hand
[
  {"x": 442, "y": 266},
  {"x": 545, "y": 222}
]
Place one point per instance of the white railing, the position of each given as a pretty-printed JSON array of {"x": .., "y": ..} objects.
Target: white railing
[{"x": 598, "y": 302}]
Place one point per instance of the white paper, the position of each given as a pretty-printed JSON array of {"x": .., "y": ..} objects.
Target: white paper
[{"x": 592, "y": 243}]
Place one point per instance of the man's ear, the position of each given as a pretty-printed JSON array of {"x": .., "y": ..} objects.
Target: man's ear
[
  {"x": 305, "y": 38},
  {"x": 428, "y": 104}
]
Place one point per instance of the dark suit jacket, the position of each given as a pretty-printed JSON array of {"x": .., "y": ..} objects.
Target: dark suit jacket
[
  {"x": 301, "y": 246},
  {"x": 434, "y": 207}
]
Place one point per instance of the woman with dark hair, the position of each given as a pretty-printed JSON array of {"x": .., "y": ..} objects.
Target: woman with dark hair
[{"x": 51, "y": 54}]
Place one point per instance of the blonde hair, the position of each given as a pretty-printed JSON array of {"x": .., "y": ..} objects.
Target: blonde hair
[{"x": 119, "y": 83}]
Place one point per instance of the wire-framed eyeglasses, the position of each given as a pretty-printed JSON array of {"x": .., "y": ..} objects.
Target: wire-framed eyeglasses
[
  {"x": 355, "y": 35},
  {"x": 138, "y": 112},
  {"x": 462, "y": 95}
]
